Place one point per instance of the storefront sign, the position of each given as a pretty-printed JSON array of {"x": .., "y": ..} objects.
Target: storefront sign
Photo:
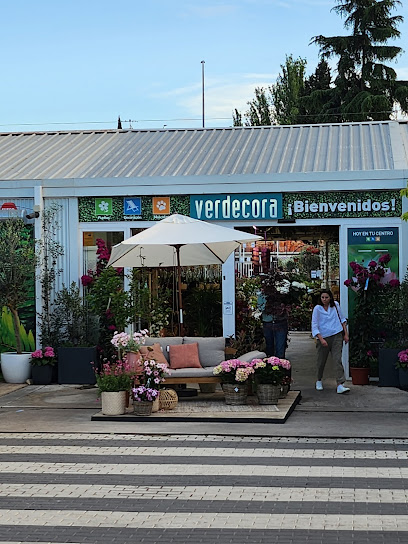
[
  {"x": 103, "y": 206},
  {"x": 342, "y": 204},
  {"x": 161, "y": 205},
  {"x": 132, "y": 206},
  {"x": 236, "y": 207}
]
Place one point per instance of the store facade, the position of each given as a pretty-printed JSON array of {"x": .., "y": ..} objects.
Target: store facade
[{"x": 343, "y": 178}]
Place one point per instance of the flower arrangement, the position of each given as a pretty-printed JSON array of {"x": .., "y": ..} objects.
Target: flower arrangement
[
  {"x": 372, "y": 285},
  {"x": 234, "y": 371},
  {"x": 142, "y": 393},
  {"x": 153, "y": 373},
  {"x": 402, "y": 360},
  {"x": 129, "y": 342},
  {"x": 114, "y": 376},
  {"x": 41, "y": 358},
  {"x": 270, "y": 370}
]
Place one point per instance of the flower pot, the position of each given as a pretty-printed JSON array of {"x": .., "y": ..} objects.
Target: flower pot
[
  {"x": 284, "y": 390},
  {"x": 113, "y": 403},
  {"x": 143, "y": 407},
  {"x": 235, "y": 393},
  {"x": 74, "y": 365},
  {"x": 359, "y": 376},
  {"x": 134, "y": 360},
  {"x": 16, "y": 367},
  {"x": 41, "y": 374},
  {"x": 156, "y": 404},
  {"x": 268, "y": 393},
  {"x": 403, "y": 378},
  {"x": 388, "y": 374}
]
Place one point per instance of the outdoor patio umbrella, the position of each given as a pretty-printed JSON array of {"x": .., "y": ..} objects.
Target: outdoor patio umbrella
[{"x": 179, "y": 241}]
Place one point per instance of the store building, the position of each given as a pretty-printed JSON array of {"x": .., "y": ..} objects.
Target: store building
[{"x": 339, "y": 181}]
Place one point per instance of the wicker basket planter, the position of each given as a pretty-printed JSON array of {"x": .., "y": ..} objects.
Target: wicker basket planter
[
  {"x": 168, "y": 399},
  {"x": 284, "y": 390},
  {"x": 235, "y": 393},
  {"x": 267, "y": 393},
  {"x": 143, "y": 407},
  {"x": 156, "y": 404},
  {"x": 113, "y": 403}
]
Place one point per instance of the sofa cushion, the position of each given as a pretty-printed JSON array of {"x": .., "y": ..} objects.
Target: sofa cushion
[
  {"x": 164, "y": 342},
  {"x": 193, "y": 372},
  {"x": 184, "y": 356},
  {"x": 153, "y": 352},
  {"x": 211, "y": 351},
  {"x": 247, "y": 357}
]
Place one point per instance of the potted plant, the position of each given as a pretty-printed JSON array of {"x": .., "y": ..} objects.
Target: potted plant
[
  {"x": 234, "y": 375},
  {"x": 370, "y": 289},
  {"x": 269, "y": 374},
  {"x": 128, "y": 345},
  {"x": 76, "y": 331},
  {"x": 402, "y": 366},
  {"x": 17, "y": 273},
  {"x": 143, "y": 397},
  {"x": 114, "y": 380},
  {"x": 394, "y": 333},
  {"x": 152, "y": 375},
  {"x": 42, "y": 363}
]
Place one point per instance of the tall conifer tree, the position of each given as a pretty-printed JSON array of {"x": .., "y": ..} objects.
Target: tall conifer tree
[{"x": 365, "y": 88}]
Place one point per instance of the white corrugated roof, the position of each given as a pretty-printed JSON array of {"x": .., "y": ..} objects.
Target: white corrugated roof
[{"x": 188, "y": 152}]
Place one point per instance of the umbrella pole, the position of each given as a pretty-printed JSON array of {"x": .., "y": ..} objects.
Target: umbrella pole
[{"x": 180, "y": 298}]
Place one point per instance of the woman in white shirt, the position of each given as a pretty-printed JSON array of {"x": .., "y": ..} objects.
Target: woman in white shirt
[{"x": 329, "y": 328}]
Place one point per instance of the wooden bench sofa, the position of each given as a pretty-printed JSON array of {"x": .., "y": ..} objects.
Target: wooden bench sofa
[{"x": 211, "y": 353}]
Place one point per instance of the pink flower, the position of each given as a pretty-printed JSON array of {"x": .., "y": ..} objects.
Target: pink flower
[
  {"x": 37, "y": 354},
  {"x": 347, "y": 283},
  {"x": 394, "y": 283},
  {"x": 86, "y": 280},
  {"x": 372, "y": 264}
]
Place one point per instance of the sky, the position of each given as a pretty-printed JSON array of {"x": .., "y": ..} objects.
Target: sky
[{"x": 73, "y": 65}]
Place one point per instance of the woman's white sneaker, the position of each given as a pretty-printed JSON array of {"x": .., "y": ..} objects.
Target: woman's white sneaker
[
  {"x": 342, "y": 389},
  {"x": 319, "y": 386}
]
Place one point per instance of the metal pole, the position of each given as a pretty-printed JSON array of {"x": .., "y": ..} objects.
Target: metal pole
[{"x": 202, "y": 74}]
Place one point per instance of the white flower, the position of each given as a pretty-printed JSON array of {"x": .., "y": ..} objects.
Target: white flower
[
  {"x": 298, "y": 285},
  {"x": 284, "y": 288},
  {"x": 104, "y": 206}
]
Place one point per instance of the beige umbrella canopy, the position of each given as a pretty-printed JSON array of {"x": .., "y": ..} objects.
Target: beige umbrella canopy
[{"x": 179, "y": 241}]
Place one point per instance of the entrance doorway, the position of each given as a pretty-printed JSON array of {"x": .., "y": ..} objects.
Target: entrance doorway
[{"x": 307, "y": 256}]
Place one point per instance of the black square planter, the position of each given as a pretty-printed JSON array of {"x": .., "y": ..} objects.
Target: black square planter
[
  {"x": 74, "y": 365},
  {"x": 387, "y": 373}
]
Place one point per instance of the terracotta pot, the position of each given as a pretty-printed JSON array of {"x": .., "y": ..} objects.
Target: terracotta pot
[
  {"x": 134, "y": 359},
  {"x": 359, "y": 376}
]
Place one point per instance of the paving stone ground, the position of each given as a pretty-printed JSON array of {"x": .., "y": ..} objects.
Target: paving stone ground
[{"x": 87, "y": 488}]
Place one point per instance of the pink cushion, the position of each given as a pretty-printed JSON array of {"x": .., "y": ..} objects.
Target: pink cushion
[
  {"x": 184, "y": 356},
  {"x": 154, "y": 352}
]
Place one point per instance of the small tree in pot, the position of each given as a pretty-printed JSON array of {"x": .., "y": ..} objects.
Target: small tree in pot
[{"x": 17, "y": 272}]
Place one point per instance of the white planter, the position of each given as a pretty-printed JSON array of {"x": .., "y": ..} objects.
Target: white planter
[
  {"x": 113, "y": 403},
  {"x": 16, "y": 367}
]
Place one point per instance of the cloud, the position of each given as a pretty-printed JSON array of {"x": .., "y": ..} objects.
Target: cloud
[{"x": 221, "y": 97}]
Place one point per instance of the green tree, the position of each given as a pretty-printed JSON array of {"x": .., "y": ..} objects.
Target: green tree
[
  {"x": 315, "y": 99},
  {"x": 365, "y": 87},
  {"x": 288, "y": 89},
  {"x": 278, "y": 103}
]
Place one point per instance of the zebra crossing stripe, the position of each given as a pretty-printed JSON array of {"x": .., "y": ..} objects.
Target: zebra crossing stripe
[
  {"x": 220, "y": 451},
  {"x": 197, "y": 470},
  {"x": 202, "y": 520}
]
